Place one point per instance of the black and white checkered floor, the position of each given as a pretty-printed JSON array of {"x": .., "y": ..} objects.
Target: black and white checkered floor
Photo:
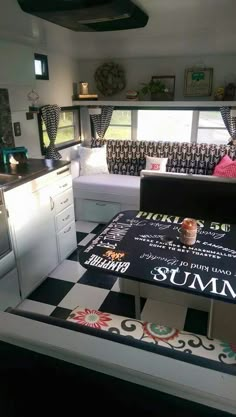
[{"x": 70, "y": 285}]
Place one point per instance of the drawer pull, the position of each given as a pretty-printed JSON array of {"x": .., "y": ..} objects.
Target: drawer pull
[
  {"x": 63, "y": 186},
  {"x": 66, "y": 218},
  {"x": 52, "y": 203},
  {"x": 63, "y": 170},
  {"x": 66, "y": 231},
  {"x": 65, "y": 201},
  {"x": 101, "y": 204}
]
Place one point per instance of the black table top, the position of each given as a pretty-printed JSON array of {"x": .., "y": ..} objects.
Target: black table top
[{"x": 145, "y": 247}]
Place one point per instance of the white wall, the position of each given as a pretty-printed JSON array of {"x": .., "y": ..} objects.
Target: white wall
[
  {"x": 140, "y": 70},
  {"x": 17, "y": 75}
]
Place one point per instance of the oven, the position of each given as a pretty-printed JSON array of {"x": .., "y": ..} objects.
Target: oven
[{"x": 7, "y": 258}]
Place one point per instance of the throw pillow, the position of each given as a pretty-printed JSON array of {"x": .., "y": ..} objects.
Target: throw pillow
[
  {"x": 156, "y": 164},
  {"x": 225, "y": 168},
  {"x": 93, "y": 161}
]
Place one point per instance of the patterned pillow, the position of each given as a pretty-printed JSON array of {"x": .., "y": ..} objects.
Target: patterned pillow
[
  {"x": 225, "y": 168},
  {"x": 156, "y": 164}
]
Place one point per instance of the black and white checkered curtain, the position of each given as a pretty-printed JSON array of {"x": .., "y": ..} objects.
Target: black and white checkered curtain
[
  {"x": 230, "y": 122},
  {"x": 102, "y": 121},
  {"x": 51, "y": 115}
]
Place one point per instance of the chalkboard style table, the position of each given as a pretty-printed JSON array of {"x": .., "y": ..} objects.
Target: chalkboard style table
[{"x": 146, "y": 247}]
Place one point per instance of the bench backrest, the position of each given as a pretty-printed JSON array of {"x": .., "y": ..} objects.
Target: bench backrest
[
  {"x": 129, "y": 157},
  {"x": 199, "y": 196}
]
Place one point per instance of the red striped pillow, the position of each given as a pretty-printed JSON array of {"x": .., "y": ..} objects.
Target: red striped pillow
[{"x": 225, "y": 168}]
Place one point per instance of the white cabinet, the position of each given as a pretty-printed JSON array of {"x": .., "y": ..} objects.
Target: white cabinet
[
  {"x": 31, "y": 217},
  {"x": 64, "y": 217},
  {"x": 42, "y": 221}
]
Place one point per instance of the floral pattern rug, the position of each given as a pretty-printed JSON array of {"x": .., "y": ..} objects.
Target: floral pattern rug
[{"x": 167, "y": 337}]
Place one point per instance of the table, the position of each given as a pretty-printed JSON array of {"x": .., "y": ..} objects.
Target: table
[{"x": 145, "y": 247}]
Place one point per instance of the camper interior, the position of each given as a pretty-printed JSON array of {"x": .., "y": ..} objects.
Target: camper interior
[{"x": 118, "y": 123}]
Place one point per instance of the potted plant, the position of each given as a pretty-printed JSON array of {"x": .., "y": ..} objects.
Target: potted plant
[{"x": 156, "y": 89}]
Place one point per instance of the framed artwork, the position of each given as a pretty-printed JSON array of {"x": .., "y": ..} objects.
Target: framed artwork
[
  {"x": 164, "y": 86},
  {"x": 198, "y": 82}
]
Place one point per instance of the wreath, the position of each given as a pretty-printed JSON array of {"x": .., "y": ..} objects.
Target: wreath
[{"x": 110, "y": 78}]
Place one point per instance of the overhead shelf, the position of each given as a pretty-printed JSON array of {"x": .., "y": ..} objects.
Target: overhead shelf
[{"x": 155, "y": 104}]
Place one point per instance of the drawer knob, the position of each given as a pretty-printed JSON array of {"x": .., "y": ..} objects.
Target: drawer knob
[
  {"x": 65, "y": 201},
  {"x": 66, "y": 218},
  {"x": 101, "y": 204},
  {"x": 63, "y": 186},
  {"x": 66, "y": 231}
]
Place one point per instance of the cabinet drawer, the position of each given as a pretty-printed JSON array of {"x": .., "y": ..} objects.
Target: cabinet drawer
[
  {"x": 67, "y": 240},
  {"x": 63, "y": 200},
  {"x": 65, "y": 217},
  {"x": 99, "y": 211},
  {"x": 62, "y": 185}
]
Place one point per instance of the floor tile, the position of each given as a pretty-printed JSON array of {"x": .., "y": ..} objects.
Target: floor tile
[
  {"x": 98, "y": 229},
  {"x": 172, "y": 315},
  {"x": 222, "y": 314},
  {"x": 75, "y": 255},
  {"x": 196, "y": 321},
  {"x": 121, "y": 304},
  {"x": 126, "y": 286},
  {"x": 60, "y": 313},
  {"x": 51, "y": 291},
  {"x": 116, "y": 286},
  {"x": 87, "y": 239},
  {"x": 36, "y": 307},
  {"x": 84, "y": 296},
  {"x": 68, "y": 271},
  {"x": 97, "y": 279},
  {"x": 85, "y": 227},
  {"x": 80, "y": 236}
]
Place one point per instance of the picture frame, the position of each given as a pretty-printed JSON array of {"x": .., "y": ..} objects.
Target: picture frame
[
  {"x": 169, "y": 82},
  {"x": 198, "y": 82}
]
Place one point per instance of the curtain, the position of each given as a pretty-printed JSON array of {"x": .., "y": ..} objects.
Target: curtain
[
  {"x": 230, "y": 123},
  {"x": 102, "y": 121},
  {"x": 51, "y": 115}
]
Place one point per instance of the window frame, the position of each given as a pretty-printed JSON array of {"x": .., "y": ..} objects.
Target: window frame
[
  {"x": 94, "y": 133},
  {"x": 208, "y": 127},
  {"x": 77, "y": 129},
  {"x": 44, "y": 61},
  {"x": 195, "y": 119}
]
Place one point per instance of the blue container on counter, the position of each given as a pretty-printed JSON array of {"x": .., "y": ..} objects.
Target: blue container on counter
[{"x": 19, "y": 153}]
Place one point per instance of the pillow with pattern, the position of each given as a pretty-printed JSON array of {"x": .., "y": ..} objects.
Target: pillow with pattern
[
  {"x": 225, "y": 168},
  {"x": 156, "y": 164}
]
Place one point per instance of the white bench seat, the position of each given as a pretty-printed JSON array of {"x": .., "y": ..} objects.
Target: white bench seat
[{"x": 108, "y": 187}]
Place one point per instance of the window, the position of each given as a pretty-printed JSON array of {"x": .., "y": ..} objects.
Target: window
[
  {"x": 120, "y": 126},
  {"x": 41, "y": 67},
  {"x": 168, "y": 125},
  {"x": 68, "y": 131},
  {"x": 211, "y": 128},
  {"x": 164, "y": 125}
]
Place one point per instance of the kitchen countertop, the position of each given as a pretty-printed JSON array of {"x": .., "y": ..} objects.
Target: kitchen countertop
[{"x": 12, "y": 176}]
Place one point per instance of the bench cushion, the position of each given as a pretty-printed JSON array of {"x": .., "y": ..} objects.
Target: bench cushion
[
  {"x": 108, "y": 187},
  {"x": 159, "y": 335}
]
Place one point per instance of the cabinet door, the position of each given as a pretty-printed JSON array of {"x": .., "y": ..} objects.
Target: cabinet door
[
  {"x": 32, "y": 220},
  {"x": 67, "y": 240}
]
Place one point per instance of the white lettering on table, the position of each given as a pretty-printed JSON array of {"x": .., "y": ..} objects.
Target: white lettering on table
[
  {"x": 178, "y": 220},
  {"x": 193, "y": 281},
  {"x": 150, "y": 256}
]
